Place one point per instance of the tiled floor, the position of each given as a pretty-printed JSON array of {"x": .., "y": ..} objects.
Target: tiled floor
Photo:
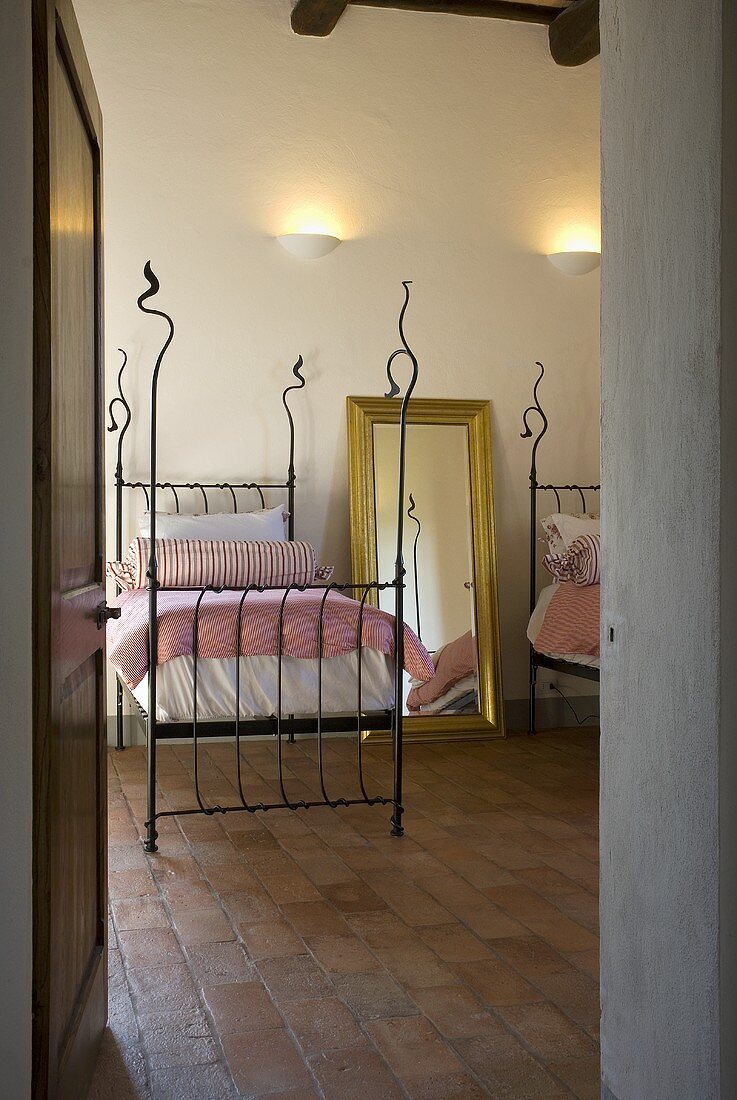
[{"x": 310, "y": 954}]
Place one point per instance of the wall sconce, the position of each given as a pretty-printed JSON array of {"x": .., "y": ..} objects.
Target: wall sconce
[
  {"x": 575, "y": 262},
  {"x": 308, "y": 246}
]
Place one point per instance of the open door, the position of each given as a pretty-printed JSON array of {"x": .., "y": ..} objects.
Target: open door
[{"x": 70, "y": 978}]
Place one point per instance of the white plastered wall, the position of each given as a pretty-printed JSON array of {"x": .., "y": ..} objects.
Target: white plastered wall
[
  {"x": 668, "y": 409},
  {"x": 447, "y": 150}
]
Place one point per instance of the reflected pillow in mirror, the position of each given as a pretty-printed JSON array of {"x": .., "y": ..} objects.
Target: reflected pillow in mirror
[
  {"x": 265, "y": 525},
  {"x": 453, "y": 662}
]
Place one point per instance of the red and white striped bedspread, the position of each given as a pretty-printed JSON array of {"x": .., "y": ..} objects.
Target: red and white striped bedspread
[
  {"x": 571, "y": 623},
  {"x": 218, "y": 621}
]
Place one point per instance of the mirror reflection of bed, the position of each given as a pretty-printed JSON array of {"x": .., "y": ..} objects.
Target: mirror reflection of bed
[
  {"x": 438, "y": 554},
  {"x": 449, "y": 551}
]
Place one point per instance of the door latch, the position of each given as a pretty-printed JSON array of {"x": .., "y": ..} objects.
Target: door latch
[{"x": 104, "y": 613}]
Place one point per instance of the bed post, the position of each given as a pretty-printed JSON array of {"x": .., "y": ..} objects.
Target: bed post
[
  {"x": 527, "y": 434},
  {"x": 149, "y": 843},
  {"x": 399, "y": 570},
  {"x": 291, "y": 478},
  {"x": 411, "y": 514},
  {"x": 113, "y": 426}
]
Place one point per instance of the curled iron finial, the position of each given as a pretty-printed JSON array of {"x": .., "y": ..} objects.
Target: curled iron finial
[
  {"x": 153, "y": 289},
  {"x": 154, "y": 286},
  {"x": 113, "y": 426},
  {"x": 413, "y": 517},
  {"x": 535, "y": 407},
  {"x": 300, "y": 384},
  {"x": 394, "y": 389}
]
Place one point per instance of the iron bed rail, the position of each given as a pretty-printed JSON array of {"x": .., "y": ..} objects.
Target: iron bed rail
[
  {"x": 541, "y": 660},
  {"x": 279, "y": 725}
]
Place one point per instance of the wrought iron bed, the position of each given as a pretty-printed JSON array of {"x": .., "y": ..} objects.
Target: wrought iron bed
[
  {"x": 541, "y": 660},
  {"x": 278, "y": 725}
]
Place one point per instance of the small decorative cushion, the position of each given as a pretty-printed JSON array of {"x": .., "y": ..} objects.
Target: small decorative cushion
[
  {"x": 582, "y": 563},
  {"x": 194, "y": 563},
  {"x": 324, "y": 573},
  {"x": 265, "y": 525}
]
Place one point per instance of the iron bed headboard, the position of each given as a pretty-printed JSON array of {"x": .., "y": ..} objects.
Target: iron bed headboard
[
  {"x": 539, "y": 659},
  {"x": 150, "y": 488},
  {"x": 275, "y": 725},
  {"x": 232, "y": 487}
]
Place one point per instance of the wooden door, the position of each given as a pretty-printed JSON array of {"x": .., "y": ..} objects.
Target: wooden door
[{"x": 70, "y": 978}]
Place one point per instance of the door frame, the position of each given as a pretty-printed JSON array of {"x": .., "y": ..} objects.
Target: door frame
[{"x": 54, "y": 26}]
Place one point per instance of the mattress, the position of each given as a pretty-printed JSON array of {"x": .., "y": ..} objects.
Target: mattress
[
  {"x": 535, "y": 625},
  {"x": 258, "y": 686}
]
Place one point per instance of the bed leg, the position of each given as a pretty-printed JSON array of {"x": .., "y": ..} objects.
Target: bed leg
[
  {"x": 119, "y": 744},
  {"x": 149, "y": 844},
  {"x": 396, "y": 820},
  {"x": 533, "y": 699}
]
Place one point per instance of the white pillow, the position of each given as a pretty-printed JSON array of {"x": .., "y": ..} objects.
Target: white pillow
[
  {"x": 562, "y": 529},
  {"x": 262, "y": 526}
]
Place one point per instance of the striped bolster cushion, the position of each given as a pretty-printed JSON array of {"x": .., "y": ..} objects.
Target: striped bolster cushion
[
  {"x": 582, "y": 563},
  {"x": 193, "y": 563}
]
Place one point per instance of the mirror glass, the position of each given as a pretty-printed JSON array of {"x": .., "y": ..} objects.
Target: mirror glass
[
  {"x": 450, "y": 596},
  {"x": 438, "y": 551}
]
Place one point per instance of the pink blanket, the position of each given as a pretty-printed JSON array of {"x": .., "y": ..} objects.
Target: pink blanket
[
  {"x": 571, "y": 623},
  {"x": 453, "y": 663},
  {"x": 218, "y": 621}
]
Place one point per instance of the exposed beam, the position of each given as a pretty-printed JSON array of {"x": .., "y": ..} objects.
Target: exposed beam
[
  {"x": 490, "y": 9},
  {"x": 574, "y": 34},
  {"x": 317, "y": 17}
]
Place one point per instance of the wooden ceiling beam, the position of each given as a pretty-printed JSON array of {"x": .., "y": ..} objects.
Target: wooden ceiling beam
[
  {"x": 518, "y": 12},
  {"x": 317, "y": 17},
  {"x": 574, "y": 34},
  {"x": 573, "y": 25}
]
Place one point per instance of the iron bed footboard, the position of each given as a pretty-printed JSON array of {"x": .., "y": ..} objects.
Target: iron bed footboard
[
  {"x": 280, "y": 726},
  {"x": 541, "y": 660}
]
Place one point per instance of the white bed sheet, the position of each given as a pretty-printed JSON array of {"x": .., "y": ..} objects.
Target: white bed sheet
[
  {"x": 258, "y": 686},
  {"x": 536, "y": 622}
]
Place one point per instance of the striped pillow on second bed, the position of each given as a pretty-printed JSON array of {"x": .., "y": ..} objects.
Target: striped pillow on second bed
[
  {"x": 582, "y": 563},
  {"x": 194, "y": 563}
]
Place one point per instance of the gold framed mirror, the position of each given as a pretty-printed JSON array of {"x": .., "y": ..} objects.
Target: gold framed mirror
[{"x": 449, "y": 552}]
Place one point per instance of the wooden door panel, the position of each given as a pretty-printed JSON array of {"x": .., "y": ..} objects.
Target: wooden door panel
[
  {"x": 70, "y": 869},
  {"x": 73, "y": 310},
  {"x": 79, "y": 935}
]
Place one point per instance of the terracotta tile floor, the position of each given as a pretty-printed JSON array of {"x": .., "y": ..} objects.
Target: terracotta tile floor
[{"x": 310, "y": 954}]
